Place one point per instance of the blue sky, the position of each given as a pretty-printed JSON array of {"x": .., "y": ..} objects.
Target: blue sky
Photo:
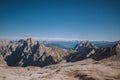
[{"x": 60, "y": 19}]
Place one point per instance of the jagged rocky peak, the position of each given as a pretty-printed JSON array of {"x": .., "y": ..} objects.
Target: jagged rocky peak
[
  {"x": 30, "y": 52},
  {"x": 4, "y": 42},
  {"x": 31, "y": 42},
  {"x": 84, "y": 44}
]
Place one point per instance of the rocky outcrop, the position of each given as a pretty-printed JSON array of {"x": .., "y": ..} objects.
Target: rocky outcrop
[
  {"x": 80, "y": 55},
  {"x": 89, "y": 51},
  {"x": 30, "y": 53},
  {"x": 115, "y": 52},
  {"x": 108, "y": 53},
  {"x": 84, "y": 44},
  {"x": 84, "y": 50},
  {"x": 2, "y": 61}
]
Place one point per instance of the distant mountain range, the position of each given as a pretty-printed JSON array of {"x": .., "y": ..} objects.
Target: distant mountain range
[
  {"x": 72, "y": 44},
  {"x": 42, "y": 53}
]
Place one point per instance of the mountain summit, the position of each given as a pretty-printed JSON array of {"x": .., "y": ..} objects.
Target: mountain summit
[
  {"x": 83, "y": 44},
  {"x": 30, "y": 53}
]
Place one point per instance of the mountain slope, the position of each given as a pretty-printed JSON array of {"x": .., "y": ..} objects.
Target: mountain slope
[
  {"x": 29, "y": 52},
  {"x": 86, "y": 50}
]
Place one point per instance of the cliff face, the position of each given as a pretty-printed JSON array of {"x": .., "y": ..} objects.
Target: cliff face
[
  {"x": 108, "y": 53},
  {"x": 29, "y": 52},
  {"x": 115, "y": 53},
  {"x": 85, "y": 51}
]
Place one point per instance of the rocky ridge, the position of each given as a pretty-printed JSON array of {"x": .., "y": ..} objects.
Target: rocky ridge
[
  {"x": 84, "y": 44},
  {"x": 33, "y": 53},
  {"x": 30, "y": 53},
  {"x": 87, "y": 50}
]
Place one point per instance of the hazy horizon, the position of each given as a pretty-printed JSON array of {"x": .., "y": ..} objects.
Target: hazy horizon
[
  {"x": 52, "y": 39},
  {"x": 94, "y": 20}
]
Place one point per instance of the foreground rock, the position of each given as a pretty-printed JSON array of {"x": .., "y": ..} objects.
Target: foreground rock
[{"x": 81, "y": 70}]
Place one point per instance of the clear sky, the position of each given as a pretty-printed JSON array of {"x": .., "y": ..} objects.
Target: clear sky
[{"x": 60, "y": 19}]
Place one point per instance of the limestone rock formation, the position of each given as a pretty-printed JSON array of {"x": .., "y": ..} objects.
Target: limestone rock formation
[
  {"x": 83, "y": 44},
  {"x": 86, "y": 50},
  {"x": 30, "y": 53},
  {"x": 2, "y": 61},
  {"x": 115, "y": 53}
]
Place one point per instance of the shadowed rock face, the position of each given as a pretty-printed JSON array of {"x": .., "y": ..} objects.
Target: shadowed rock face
[
  {"x": 84, "y": 50},
  {"x": 103, "y": 53},
  {"x": 89, "y": 51},
  {"x": 80, "y": 55},
  {"x": 108, "y": 53},
  {"x": 29, "y": 52},
  {"x": 115, "y": 53}
]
